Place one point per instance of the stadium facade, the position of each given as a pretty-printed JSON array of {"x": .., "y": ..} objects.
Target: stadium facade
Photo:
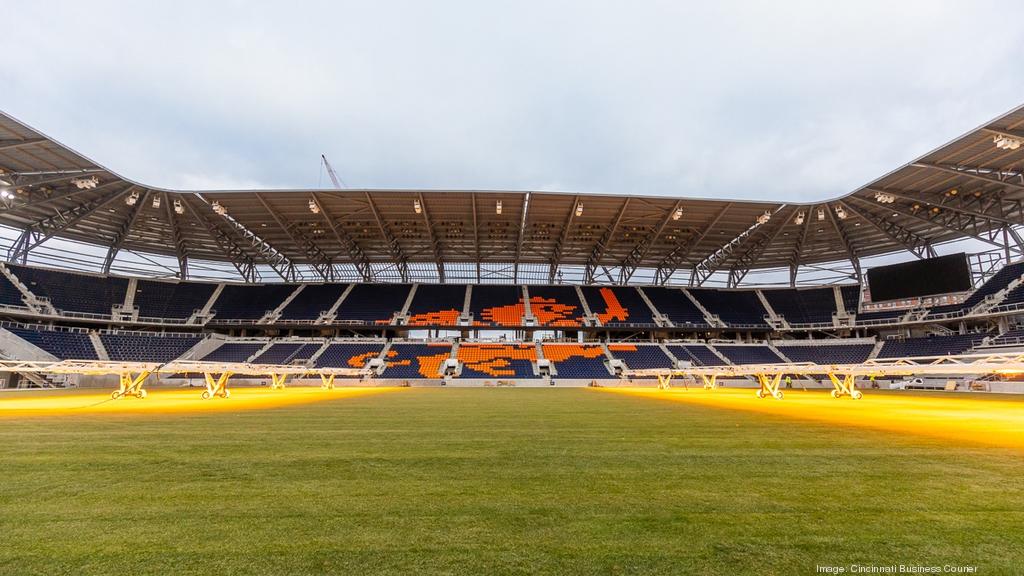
[{"x": 430, "y": 286}]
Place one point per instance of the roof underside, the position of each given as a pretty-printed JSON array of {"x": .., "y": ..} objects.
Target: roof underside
[{"x": 969, "y": 188}]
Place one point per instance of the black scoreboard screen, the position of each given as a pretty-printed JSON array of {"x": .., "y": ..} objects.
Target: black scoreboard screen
[{"x": 942, "y": 275}]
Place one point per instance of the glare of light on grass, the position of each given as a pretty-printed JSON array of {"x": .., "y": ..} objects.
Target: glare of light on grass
[
  {"x": 162, "y": 401},
  {"x": 953, "y": 417}
]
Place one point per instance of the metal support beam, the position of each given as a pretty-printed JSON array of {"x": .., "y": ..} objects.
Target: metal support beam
[
  {"x": 123, "y": 231},
  {"x": 597, "y": 252},
  {"x": 851, "y": 250},
  {"x": 1003, "y": 177},
  {"x": 636, "y": 256},
  {"x": 400, "y": 259},
  {"x": 556, "y": 255},
  {"x": 177, "y": 237},
  {"x": 911, "y": 241},
  {"x": 434, "y": 244},
  {"x": 347, "y": 243},
  {"x": 321, "y": 262},
  {"x": 677, "y": 256}
]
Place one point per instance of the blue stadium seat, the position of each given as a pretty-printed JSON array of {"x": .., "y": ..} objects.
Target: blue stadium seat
[
  {"x": 135, "y": 347},
  {"x": 72, "y": 292},
  {"x": 671, "y": 302},
  {"x": 177, "y": 300},
  {"x": 738, "y": 308},
  {"x": 314, "y": 299},
  {"x": 250, "y": 302},
  {"x": 373, "y": 303},
  {"x": 62, "y": 343}
]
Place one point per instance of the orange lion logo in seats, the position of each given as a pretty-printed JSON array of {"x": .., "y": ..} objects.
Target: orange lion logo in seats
[
  {"x": 495, "y": 359},
  {"x": 613, "y": 310},
  {"x": 548, "y": 312},
  {"x": 440, "y": 318}
]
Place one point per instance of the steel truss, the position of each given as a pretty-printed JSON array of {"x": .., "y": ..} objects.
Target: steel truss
[
  {"x": 132, "y": 375},
  {"x": 843, "y": 376}
]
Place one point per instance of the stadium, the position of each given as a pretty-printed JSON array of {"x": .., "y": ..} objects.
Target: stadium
[{"x": 500, "y": 381}]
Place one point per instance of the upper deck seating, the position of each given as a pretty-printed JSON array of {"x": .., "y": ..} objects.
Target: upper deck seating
[
  {"x": 803, "y": 306},
  {"x": 64, "y": 344},
  {"x": 930, "y": 346},
  {"x": 70, "y": 292},
  {"x": 9, "y": 293},
  {"x": 737, "y": 308},
  {"x": 497, "y": 305},
  {"x": 348, "y": 354},
  {"x": 250, "y": 302},
  {"x": 582, "y": 361},
  {"x": 698, "y": 354},
  {"x": 125, "y": 347},
  {"x": 997, "y": 282},
  {"x": 314, "y": 299},
  {"x": 821, "y": 353},
  {"x": 373, "y": 303},
  {"x": 671, "y": 302},
  {"x": 497, "y": 360},
  {"x": 175, "y": 300},
  {"x": 414, "y": 361},
  {"x": 749, "y": 354},
  {"x": 556, "y": 306},
  {"x": 851, "y": 297},
  {"x": 618, "y": 305},
  {"x": 437, "y": 305},
  {"x": 641, "y": 356},
  {"x": 287, "y": 353},
  {"x": 233, "y": 352},
  {"x": 880, "y": 316}
]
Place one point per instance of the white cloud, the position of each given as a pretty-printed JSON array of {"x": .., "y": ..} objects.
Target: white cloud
[{"x": 798, "y": 101}]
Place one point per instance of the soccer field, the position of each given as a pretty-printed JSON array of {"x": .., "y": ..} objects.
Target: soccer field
[{"x": 497, "y": 481}]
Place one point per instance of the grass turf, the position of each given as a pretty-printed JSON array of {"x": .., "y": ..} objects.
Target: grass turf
[{"x": 494, "y": 481}]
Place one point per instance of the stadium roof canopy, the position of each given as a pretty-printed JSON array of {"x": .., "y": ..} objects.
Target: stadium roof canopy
[{"x": 971, "y": 187}]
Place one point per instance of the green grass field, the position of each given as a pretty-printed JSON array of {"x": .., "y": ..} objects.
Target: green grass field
[{"x": 494, "y": 481}]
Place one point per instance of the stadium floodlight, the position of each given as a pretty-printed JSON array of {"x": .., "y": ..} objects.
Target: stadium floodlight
[
  {"x": 132, "y": 198},
  {"x": 800, "y": 216},
  {"x": 840, "y": 212},
  {"x": 579, "y": 209},
  {"x": 821, "y": 215},
  {"x": 313, "y": 206},
  {"x": 1006, "y": 142},
  {"x": 677, "y": 214},
  {"x": 156, "y": 201},
  {"x": 86, "y": 183},
  {"x": 764, "y": 218},
  {"x": 220, "y": 210},
  {"x": 883, "y": 198},
  {"x": 178, "y": 208},
  {"x": 417, "y": 206},
  {"x": 497, "y": 207},
  {"x": 6, "y": 194}
]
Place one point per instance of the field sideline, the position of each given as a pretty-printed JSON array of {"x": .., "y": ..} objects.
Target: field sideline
[{"x": 497, "y": 481}]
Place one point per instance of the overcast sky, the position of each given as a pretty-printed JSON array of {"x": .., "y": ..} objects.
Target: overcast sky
[{"x": 791, "y": 101}]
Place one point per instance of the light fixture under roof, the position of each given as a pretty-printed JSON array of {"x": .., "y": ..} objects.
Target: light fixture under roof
[
  {"x": 497, "y": 207},
  {"x": 764, "y": 218},
  {"x": 821, "y": 214},
  {"x": 840, "y": 212},
  {"x": 86, "y": 183},
  {"x": 677, "y": 214},
  {"x": 156, "y": 201},
  {"x": 313, "y": 206},
  {"x": 1004, "y": 142},
  {"x": 417, "y": 206},
  {"x": 800, "y": 216},
  {"x": 6, "y": 194},
  {"x": 221, "y": 210},
  {"x": 884, "y": 198},
  {"x": 178, "y": 208},
  {"x": 132, "y": 198},
  {"x": 579, "y": 208}
]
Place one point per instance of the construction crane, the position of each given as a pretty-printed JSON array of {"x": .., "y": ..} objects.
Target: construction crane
[{"x": 330, "y": 172}]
